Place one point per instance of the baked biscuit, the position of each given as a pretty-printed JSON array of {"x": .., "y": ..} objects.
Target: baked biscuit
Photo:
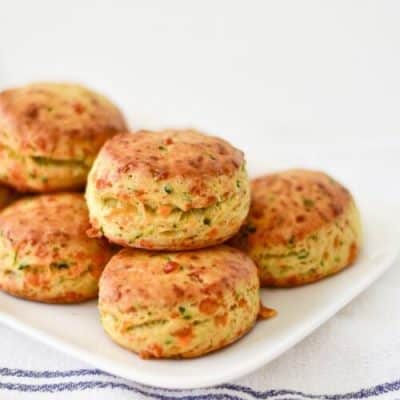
[
  {"x": 302, "y": 226},
  {"x": 50, "y": 134},
  {"x": 45, "y": 254},
  {"x": 182, "y": 304},
  {"x": 174, "y": 190}
]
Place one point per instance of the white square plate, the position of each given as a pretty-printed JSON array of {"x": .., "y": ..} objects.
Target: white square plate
[{"x": 76, "y": 329}]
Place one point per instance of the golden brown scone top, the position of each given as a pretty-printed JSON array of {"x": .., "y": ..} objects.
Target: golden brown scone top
[
  {"x": 135, "y": 278},
  {"x": 56, "y": 120},
  {"x": 290, "y": 205},
  {"x": 172, "y": 153},
  {"x": 46, "y": 220}
]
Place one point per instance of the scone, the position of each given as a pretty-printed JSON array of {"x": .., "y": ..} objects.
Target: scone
[
  {"x": 45, "y": 254},
  {"x": 7, "y": 195},
  {"x": 302, "y": 226},
  {"x": 174, "y": 190},
  {"x": 182, "y": 304},
  {"x": 50, "y": 134}
]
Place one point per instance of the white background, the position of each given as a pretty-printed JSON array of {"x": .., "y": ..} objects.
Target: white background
[{"x": 294, "y": 83}]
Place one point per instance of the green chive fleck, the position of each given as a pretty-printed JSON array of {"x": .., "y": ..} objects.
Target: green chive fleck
[
  {"x": 302, "y": 254},
  {"x": 23, "y": 266},
  {"x": 308, "y": 203},
  {"x": 168, "y": 189},
  {"x": 60, "y": 265},
  {"x": 184, "y": 313},
  {"x": 207, "y": 221}
]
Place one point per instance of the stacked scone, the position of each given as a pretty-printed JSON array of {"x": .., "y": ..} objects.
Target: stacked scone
[
  {"x": 49, "y": 137},
  {"x": 164, "y": 192},
  {"x": 172, "y": 199}
]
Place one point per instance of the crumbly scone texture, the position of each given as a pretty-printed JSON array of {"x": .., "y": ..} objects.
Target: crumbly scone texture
[
  {"x": 45, "y": 254},
  {"x": 182, "y": 304},
  {"x": 50, "y": 134},
  {"x": 302, "y": 226},
  {"x": 174, "y": 190}
]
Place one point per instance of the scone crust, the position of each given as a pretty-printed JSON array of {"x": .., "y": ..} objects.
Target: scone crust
[
  {"x": 180, "y": 304},
  {"x": 45, "y": 254},
  {"x": 55, "y": 125},
  {"x": 302, "y": 226},
  {"x": 190, "y": 155},
  {"x": 174, "y": 190}
]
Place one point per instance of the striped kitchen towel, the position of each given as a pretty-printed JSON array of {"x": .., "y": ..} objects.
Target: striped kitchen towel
[{"x": 85, "y": 383}]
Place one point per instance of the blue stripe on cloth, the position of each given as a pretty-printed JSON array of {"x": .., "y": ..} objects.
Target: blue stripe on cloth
[
  {"x": 375, "y": 391},
  {"x": 21, "y": 373},
  {"x": 80, "y": 386}
]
